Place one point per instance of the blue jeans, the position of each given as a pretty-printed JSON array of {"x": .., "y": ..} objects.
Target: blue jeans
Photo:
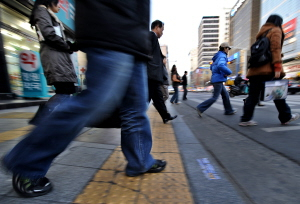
[
  {"x": 175, "y": 95},
  {"x": 114, "y": 79},
  {"x": 218, "y": 89},
  {"x": 256, "y": 88}
]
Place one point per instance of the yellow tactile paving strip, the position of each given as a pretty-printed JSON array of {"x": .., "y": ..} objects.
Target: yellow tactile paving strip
[
  {"x": 17, "y": 115},
  {"x": 12, "y": 134},
  {"x": 111, "y": 185}
]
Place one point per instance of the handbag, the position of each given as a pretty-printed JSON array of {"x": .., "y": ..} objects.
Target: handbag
[
  {"x": 110, "y": 121},
  {"x": 275, "y": 90}
]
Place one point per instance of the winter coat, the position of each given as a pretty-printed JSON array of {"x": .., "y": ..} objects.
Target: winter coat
[
  {"x": 219, "y": 68},
  {"x": 155, "y": 66},
  {"x": 54, "y": 50},
  {"x": 114, "y": 25},
  {"x": 275, "y": 35}
]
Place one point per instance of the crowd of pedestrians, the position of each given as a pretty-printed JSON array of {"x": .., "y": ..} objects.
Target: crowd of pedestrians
[{"x": 131, "y": 58}]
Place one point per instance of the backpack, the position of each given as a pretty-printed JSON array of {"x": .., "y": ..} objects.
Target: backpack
[{"x": 260, "y": 52}]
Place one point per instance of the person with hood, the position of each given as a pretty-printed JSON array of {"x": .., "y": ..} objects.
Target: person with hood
[
  {"x": 273, "y": 70},
  {"x": 220, "y": 71}
]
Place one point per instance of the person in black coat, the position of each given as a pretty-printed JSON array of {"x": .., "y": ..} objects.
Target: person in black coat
[
  {"x": 184, "y": 84},
  {"x": 155, "y": 70},
  {"x": 114, "y": 35}
]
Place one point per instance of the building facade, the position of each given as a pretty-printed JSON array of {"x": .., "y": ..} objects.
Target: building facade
[
  {"x": 17, "y": 37},
  {"x": 244, "y": 25},
  {"x": 289, "y": 11},
  {"x": 208, "y": 39},
  {"x": 193, "y": 65}
]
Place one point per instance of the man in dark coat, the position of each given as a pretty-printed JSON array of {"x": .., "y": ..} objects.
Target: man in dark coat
[
  {"x": 184, "y": 84},
  {"x": 155, "y": 70},
  {"x": 116, "y": 61}
]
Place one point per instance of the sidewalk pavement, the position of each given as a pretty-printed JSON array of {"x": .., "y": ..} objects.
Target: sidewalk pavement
[
  {"x": 91, "y": 169},
  {"x": 18, "y": 103}
]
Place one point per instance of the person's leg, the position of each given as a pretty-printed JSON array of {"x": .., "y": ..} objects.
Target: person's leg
[
  {"x": 226, "y": 101},
  {"x": 184, "y": 92},
  {"x": 166, "y": 92},
  {"x": 136, "y": 133},
  {"x": 63, "y": 92},
  {"x": 284, "y": 110},
  {"x": 176, "y": 94},
  {"x": 256, "y": 86},
  {"x": 206, "y": 104},
  {"x": 163, "y": 90},
  {"x": 32, "y": 156},
  {"x": 157, "y": 98}
]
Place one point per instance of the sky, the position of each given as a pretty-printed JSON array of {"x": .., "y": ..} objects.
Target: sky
[{"x": 182, "y": 19}]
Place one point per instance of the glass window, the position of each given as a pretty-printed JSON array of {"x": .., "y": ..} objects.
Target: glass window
[{"x": 17, "y": 35}]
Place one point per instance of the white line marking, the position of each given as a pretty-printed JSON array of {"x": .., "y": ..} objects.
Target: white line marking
[{"x": 284, "y": 128}]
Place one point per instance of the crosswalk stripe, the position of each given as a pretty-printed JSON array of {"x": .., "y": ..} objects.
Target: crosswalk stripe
[
  {"x": 215, "y": 105},
  {"x": 285, "y": 128}
]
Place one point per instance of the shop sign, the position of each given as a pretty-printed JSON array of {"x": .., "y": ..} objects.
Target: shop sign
[
  {"x": 292, "y": 68},
  {"x": 34, "y": 82},
  {"x": 67, "y": 12},
  {"x": 289, "y": 28},
  {"x": 233, "y": 57}
]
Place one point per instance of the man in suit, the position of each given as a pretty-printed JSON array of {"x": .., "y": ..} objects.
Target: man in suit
[
  {"x": 155, "y": 71},
  {"x": 184, "y": 84}
]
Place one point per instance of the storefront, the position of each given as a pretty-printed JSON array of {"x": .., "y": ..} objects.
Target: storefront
[
  {"x": 17, "y": 36},
  {"x": 289, "y": 11}
]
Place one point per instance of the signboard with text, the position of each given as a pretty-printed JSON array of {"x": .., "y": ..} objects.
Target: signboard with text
[
  {"x": 289, "y": 28},
  {"x": 34, "y": 82},
  {"x": 67, "y": 12}
]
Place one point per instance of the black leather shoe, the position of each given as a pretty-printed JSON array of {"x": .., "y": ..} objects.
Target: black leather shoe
[{"x": 170, "y": 118}]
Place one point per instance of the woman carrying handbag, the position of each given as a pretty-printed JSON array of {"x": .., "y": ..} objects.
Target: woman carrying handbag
[{"x": 257, "y": 76}]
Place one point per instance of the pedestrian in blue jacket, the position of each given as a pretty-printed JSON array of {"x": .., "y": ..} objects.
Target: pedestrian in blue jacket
[{"x": 220, "y": 71}]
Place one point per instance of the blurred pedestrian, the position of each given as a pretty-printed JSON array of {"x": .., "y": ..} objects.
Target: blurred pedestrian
[
  {"x": 270, "y": 71},
  {"x": 220, "y": 71},
  {"x": 55, "y": 55},
  {"x": 116, "y": 61},
  {"x": 184, "y": 84},
  {"x": 155, "y": 72},
  {"x": 175, "y": 83},
  {"x": 165, "y": 85}
]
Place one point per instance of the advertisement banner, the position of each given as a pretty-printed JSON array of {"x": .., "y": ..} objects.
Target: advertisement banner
[
  {"x": 34, "y": 81},
  {"x": 67, "y": 12},
  {"x": 289, "y": 28}
]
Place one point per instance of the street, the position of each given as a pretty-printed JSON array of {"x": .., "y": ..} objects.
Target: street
[
  {"x": 222, "y": 161},
  {"x": 261, "y": 161}
]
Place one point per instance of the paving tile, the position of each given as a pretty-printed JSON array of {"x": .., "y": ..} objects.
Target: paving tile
[{"x": 170, "y": 186}]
